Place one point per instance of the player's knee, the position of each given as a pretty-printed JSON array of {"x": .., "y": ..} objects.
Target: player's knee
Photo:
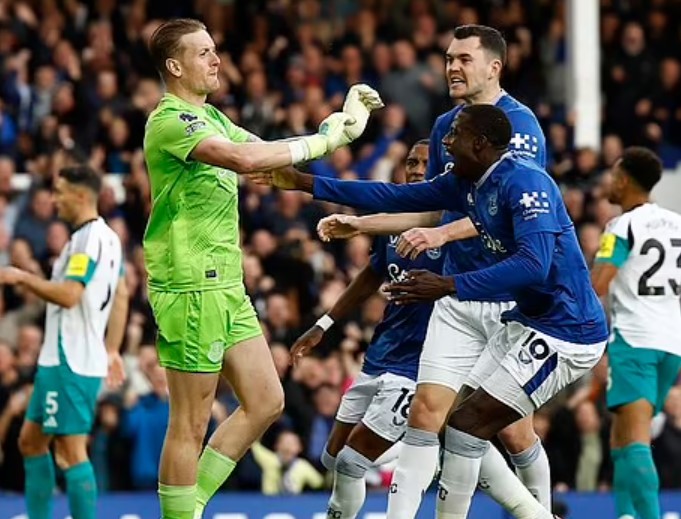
[
  {"x": 188, "y": 431},
  {"x": 518, "y": 437},
  {"x": 271, "y": 407},
  {"x": 427, "y": 411},
  {"x": 350, "y": 462},
  {"x": 28, "y": 447},
  {"x": 68, "y": 453}
]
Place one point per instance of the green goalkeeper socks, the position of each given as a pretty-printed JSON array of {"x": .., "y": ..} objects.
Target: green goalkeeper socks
[
  {"x": 177, "y": 502},
  {"x": 214, "y": 469}
]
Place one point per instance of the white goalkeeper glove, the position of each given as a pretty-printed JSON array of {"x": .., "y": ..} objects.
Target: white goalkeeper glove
[
  {"x": 359, "y": 103},
  {"x": 328, "y": 138}
]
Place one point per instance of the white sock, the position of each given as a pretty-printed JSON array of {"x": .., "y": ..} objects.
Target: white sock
[
  {"x": 349, "y": 487},
  {"x": 414, "y": 473},
  {"x": 533, "y": 469},
  {"x": 391, "y": 454},
  {"x": 499, "y": 482},
  {"x": 347, "y": 497},
  {"x": 461, "y": 462}
]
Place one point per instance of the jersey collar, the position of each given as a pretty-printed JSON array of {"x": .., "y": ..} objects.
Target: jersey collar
[
  {"x": 86, "y": 222},
  {"x": 489, "y": 171},
  {"x": 501, "y": 94}
]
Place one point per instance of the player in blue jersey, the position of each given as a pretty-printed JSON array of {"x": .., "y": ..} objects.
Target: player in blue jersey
[
  {"x": 555, "y": 333},
  {"x": 373, "y": 413},
  {"x": 458, "y": 331}
]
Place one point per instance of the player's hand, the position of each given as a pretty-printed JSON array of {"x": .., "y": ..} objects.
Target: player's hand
[
  {"x": 338, "y": 226},
  {"x": 334, "y": 128},
  {"x": 280, "y": 178},
  {"x": 116, "y": 374},
  {"x": 360, "y": 101},
  {"x": 414, "y": 241},
  {"x": 11, "y": 275},
  {"x": 305, "y": 343},
  {"x": 419, "y": 286}
]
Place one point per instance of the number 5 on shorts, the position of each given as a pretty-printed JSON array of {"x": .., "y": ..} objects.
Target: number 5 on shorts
[{"x": 51, "y": 404}]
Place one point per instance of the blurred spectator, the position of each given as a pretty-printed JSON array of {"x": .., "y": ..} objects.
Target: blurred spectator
[
  {"x": 326, "y": 400},
  {"x": 78, "y": 85},
  {"x": 283, "y": 470},
  {"x": 144, "y": 422},
  {"x": 667, "y": 445},
  {"x": 33, "y": 225}
]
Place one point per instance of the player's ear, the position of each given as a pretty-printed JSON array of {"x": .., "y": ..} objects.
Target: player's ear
[
  {"x": 173, "y": 67},
  {"x": 495, "y": 67}
]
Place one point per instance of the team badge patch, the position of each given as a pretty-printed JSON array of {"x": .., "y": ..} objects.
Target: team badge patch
[
  {"x": 216, "y": 350},
  {"x": 434, "y": 253}
]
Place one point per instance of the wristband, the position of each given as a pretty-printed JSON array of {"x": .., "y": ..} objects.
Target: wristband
[{"x": 325, "y": 322}]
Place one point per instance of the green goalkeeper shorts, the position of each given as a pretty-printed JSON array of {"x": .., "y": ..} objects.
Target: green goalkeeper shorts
[{"x": 196, "y": 328}]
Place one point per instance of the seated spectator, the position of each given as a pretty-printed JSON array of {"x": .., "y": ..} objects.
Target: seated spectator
[{"x": 283, "y": 470}]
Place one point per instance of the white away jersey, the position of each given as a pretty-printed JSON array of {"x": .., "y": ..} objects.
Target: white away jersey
[
  {"x": 93, "y": 257},
  {"x": 645, "y": 245}
]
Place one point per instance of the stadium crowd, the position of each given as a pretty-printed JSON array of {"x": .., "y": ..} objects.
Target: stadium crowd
[{"x": 76, "y": 84}]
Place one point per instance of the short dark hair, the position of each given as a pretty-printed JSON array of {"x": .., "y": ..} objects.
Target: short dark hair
[
  {"x": 422, "y": 142},
  {"x": 490, "y": 121},
  {"x": 643, "y": 166},
  {"x": 82, "y": 175},
  {"x": 490, "y": 39},
  {"x": 165, "y": 41}
]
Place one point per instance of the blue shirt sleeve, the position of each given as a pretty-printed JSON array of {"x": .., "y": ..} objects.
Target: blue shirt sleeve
[
  {"x": 528, "y": 266},
  {"x": 434, "y": 195},
  {"x": 534, "y": 201},
  {"x": 528, "y": 138}
]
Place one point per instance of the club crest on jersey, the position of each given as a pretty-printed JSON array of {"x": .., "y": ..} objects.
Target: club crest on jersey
[
  {"x": 492, "y": 207},
  {"x": 187, "y": 117},
  {"x": 434, "y": 253}
]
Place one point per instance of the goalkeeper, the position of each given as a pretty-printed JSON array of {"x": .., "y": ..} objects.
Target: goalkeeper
[{"x": 206, "y": 323}]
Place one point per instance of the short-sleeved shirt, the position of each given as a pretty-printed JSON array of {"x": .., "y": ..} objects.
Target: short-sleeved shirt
[
  {"x": 93, "y": 257},
  {"x": 645, "y": 245},
  {"x": 191, "y": 241}
]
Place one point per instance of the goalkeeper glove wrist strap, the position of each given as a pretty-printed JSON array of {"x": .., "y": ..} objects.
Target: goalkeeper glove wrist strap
[{"x": 307, "y": 148}]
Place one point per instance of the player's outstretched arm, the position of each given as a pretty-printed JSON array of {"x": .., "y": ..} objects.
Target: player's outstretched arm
[
  {"x": 248, "y": 157},
  {"x": 115, "y": 333},
  {"x": 364, "y": 285},
  {"x": 344, "y": 226},
  {"x": 66, "y": 293},
  {"x": 414, "y": 241}
]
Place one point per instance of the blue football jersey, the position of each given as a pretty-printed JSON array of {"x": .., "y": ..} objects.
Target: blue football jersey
[
  {"x": 528, "y": 138},
  {"x": 398, "y": 338},
  {"x": 516, "y": 200}
]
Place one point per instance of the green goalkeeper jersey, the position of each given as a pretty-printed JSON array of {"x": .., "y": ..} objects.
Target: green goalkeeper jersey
[{"x": 192, "y": 238}]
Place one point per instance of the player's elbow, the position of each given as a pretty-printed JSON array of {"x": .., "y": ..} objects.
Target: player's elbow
[
  {"x": 224, "y": 154},
  {"x": 71, "y": 294},
  {"x": 537, "y": 271}
]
